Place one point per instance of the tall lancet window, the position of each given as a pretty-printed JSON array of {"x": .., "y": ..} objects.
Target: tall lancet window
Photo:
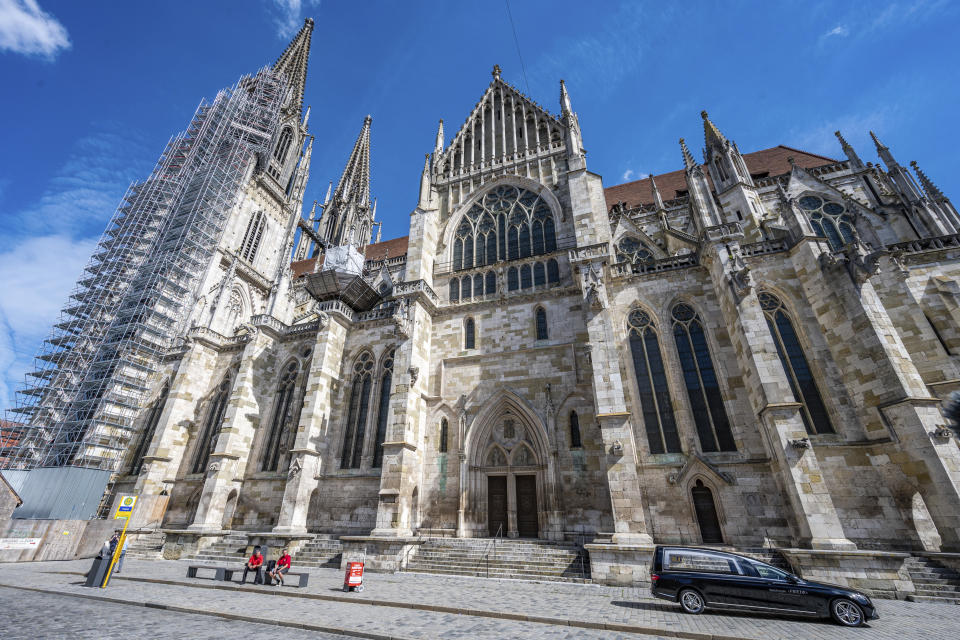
[
  {"x": 383, "y": 411},
  {"x": 700, "y": 378},
  {"x": 149, "y": 429},
  {"x": 251, "y": 239},
  {"x": 804, "y": 387},
  {"x": 652, "y": 384},
  {"x": 444, "y": 435},
  {"x": 359, "y": 408},
  {"x": 212, "y": 426},
  {"x": 283, "y": 144},
  {"x": 286, "y": 411}
]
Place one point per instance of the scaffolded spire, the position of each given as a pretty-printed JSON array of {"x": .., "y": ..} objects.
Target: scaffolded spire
[
  {"x": 711, "y": 134},
  {"x": 293, "y": 63}
]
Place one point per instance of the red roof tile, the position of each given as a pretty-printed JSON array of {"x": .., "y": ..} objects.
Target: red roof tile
[
  {"x": 772, "y": 161},
  {"x": 378, "y": 251}
]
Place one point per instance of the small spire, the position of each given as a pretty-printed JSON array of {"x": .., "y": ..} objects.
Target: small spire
[
  {"x": 711, "y": 134},
  {"x": 656, "y": 194},
  {"x": 496, "y": 72},
  {"x": 876, "y": 141},
  {"x": 373, "y": 216},
  {"x": 329, "y": 190},
  {"x": 306, "y": 117},
  {"x": 425, "y": 185},
  {"x": 884, "y": 152},
  {"x": 565, "y": 107},
  {"x": 688, "y": 161},
  {"x": 931, "y": 189},
  {"x": 847, "y": 149},
  {"x": 313, "y": 212},
  {"x": 438, "y": 147}
]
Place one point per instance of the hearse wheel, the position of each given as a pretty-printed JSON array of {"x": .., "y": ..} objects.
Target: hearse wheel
[
  {"x": 691, "y": 601},
  {"x": 846, "y": 612}
]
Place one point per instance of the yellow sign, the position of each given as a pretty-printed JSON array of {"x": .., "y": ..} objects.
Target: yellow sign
[
  {"x": 124, "y": 511},
  {"x": 125, "y": 507}
]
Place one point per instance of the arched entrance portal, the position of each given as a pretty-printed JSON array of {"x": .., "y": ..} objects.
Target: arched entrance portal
[{"x": 510, "y": 483}]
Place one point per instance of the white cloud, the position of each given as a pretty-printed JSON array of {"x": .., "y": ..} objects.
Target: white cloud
[
  {"x": 37, "y": 275},
  {"x": 290, "y": 15},
  {"x": 25, "y": 28},
  {"x": 839, "y": 30},
  {"x": 630, "y": 174}
]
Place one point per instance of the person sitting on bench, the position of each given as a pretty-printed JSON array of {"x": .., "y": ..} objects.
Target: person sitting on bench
[
  {"x": 283, "y": 565},
  {"x": 254, "y": 564}
]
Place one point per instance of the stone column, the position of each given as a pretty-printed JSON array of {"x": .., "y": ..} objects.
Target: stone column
[
  {"x": 172, "y": 437},
  {"x": 882, "y": 376},
  {"x": 620, "y": 460},
  {"x": 311, "y": 445},
  {"x": 795, "y": 462},
  {"x": 228, "y": 461},
  {"x": 401, "y": 450}
]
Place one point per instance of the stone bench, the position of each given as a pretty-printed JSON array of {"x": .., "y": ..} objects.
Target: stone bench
[
  {"x": 303, "y": 577},
  {"x": 220, "y": 573}
]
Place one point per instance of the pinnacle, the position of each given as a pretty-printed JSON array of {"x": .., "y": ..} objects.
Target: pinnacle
[
  {"x": 711, "y": 134},
  {"x": 688, "y": 160}
]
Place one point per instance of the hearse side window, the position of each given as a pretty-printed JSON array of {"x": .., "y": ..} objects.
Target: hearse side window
[
  {"x": 769, "y": 572},
  {"x": 685, "y": 560}
]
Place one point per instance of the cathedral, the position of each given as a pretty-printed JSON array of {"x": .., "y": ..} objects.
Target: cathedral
[{"x": 751, "y": 351}]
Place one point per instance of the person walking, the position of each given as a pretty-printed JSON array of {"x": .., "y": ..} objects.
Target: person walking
[
  {"x": 283, "y": 565},
  {"x": 255, "y": 564},
  {"x": 123, "y": 552}
]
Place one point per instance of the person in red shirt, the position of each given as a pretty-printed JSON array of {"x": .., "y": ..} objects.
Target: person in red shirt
[
  {"x": 283, "y": 565},
  {"x": 255, "y": 564}
]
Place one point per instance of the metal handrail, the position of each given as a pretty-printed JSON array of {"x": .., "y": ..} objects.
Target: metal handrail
[{"x": 493, "y": 544}]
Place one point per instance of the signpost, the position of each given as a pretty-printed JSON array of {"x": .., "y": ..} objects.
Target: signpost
[{"x": 124, "y": 510}]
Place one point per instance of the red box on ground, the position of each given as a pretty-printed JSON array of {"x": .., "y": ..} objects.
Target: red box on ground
[{"x": 353, "y": 578}]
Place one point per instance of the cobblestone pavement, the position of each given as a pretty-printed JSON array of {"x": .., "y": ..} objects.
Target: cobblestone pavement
[
  {"x": 29, "y": 615},
  {"x": 425, "y": 606}
]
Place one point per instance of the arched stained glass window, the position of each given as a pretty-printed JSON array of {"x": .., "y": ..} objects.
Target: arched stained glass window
[
  {"x": 454, "y": 290},
  {"x": 539, "y": 274},
  {"x": 358, "y": 410},
  {"x": 632, "y": 251},
  {"x": 285, "y": 412},
  {"x": 829, "y": 220},
  {"x": 525, "y": 280},
  {"x": 575, "y": 442},
  {"x": 469, "y": 334},
  {"x": 149, "y": 429},
  {"x": 491, "y": 283},
  {"x": 654, "y": 394},
  {"x": 700, "y": 379},
  {"x": 507, "y": 223},
  {"x": 465, "y": 288},
  {"x": 553, "y": 271},
  {"x": 794, "y": 362},
  {"x": 478, "y": 285},
  {"x": 513, "y": 280},
  {"x": 444, "y": 429},
  {"x": 383, "y": 410},
  {"x": 212, "y": 426},
  {"x": 283, "y": 144},
  {"x": 541, "y": 317}
]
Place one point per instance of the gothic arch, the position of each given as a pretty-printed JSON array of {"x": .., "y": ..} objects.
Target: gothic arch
[
  {"x": 508, "y": 428},
  {"x": 445, "y": 247}
]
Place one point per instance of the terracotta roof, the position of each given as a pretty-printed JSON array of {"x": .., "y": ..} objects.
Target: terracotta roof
[
  {"x": 378, "y": 251},
  {"x": 773, "y": 161}
]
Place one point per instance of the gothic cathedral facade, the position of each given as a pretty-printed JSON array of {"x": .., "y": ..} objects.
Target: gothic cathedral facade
[{"x": 752, "y": 350}]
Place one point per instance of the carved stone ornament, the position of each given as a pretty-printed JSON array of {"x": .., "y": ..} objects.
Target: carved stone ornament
[
  {"x": 214, "y": 467},
  {"x": 741, "y": 281},
  {"x": 401, "y": 318},
  {"x": 942, "y": 433},
  {"x": 617, "y": 447},
  {"x": 800, "y": 443},
  {"x": 593, "y": 287},
  {"x": 323, "y": 320},
  {"x": 414, "y": 374},
  {"x": 295, "y": 468}
]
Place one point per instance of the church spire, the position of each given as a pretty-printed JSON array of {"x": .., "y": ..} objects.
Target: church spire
[
  {"x": 347, "y": 215},
  {"x": 293, "y": 63}
]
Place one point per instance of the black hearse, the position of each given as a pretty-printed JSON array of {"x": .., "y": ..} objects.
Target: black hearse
[{"x": 704, "y": 578}]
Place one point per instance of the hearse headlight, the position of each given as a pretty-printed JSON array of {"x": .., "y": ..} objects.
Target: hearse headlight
[{"x": 859, "y": 597}]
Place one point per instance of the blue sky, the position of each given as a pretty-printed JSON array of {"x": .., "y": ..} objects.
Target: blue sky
[{"x": 93, "y": 90}]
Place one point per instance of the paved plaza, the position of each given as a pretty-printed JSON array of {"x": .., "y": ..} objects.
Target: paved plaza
[{"x": 154, "y": 599}]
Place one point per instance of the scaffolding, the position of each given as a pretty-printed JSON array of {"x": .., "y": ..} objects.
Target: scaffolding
[{"x": 133, "y": 300}]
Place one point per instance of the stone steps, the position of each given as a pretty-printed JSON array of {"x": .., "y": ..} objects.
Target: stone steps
[
  {"x": 322, "y": 552},
  {"x": 525, "y": 560},
  {"x": 933, "y": 582}
]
